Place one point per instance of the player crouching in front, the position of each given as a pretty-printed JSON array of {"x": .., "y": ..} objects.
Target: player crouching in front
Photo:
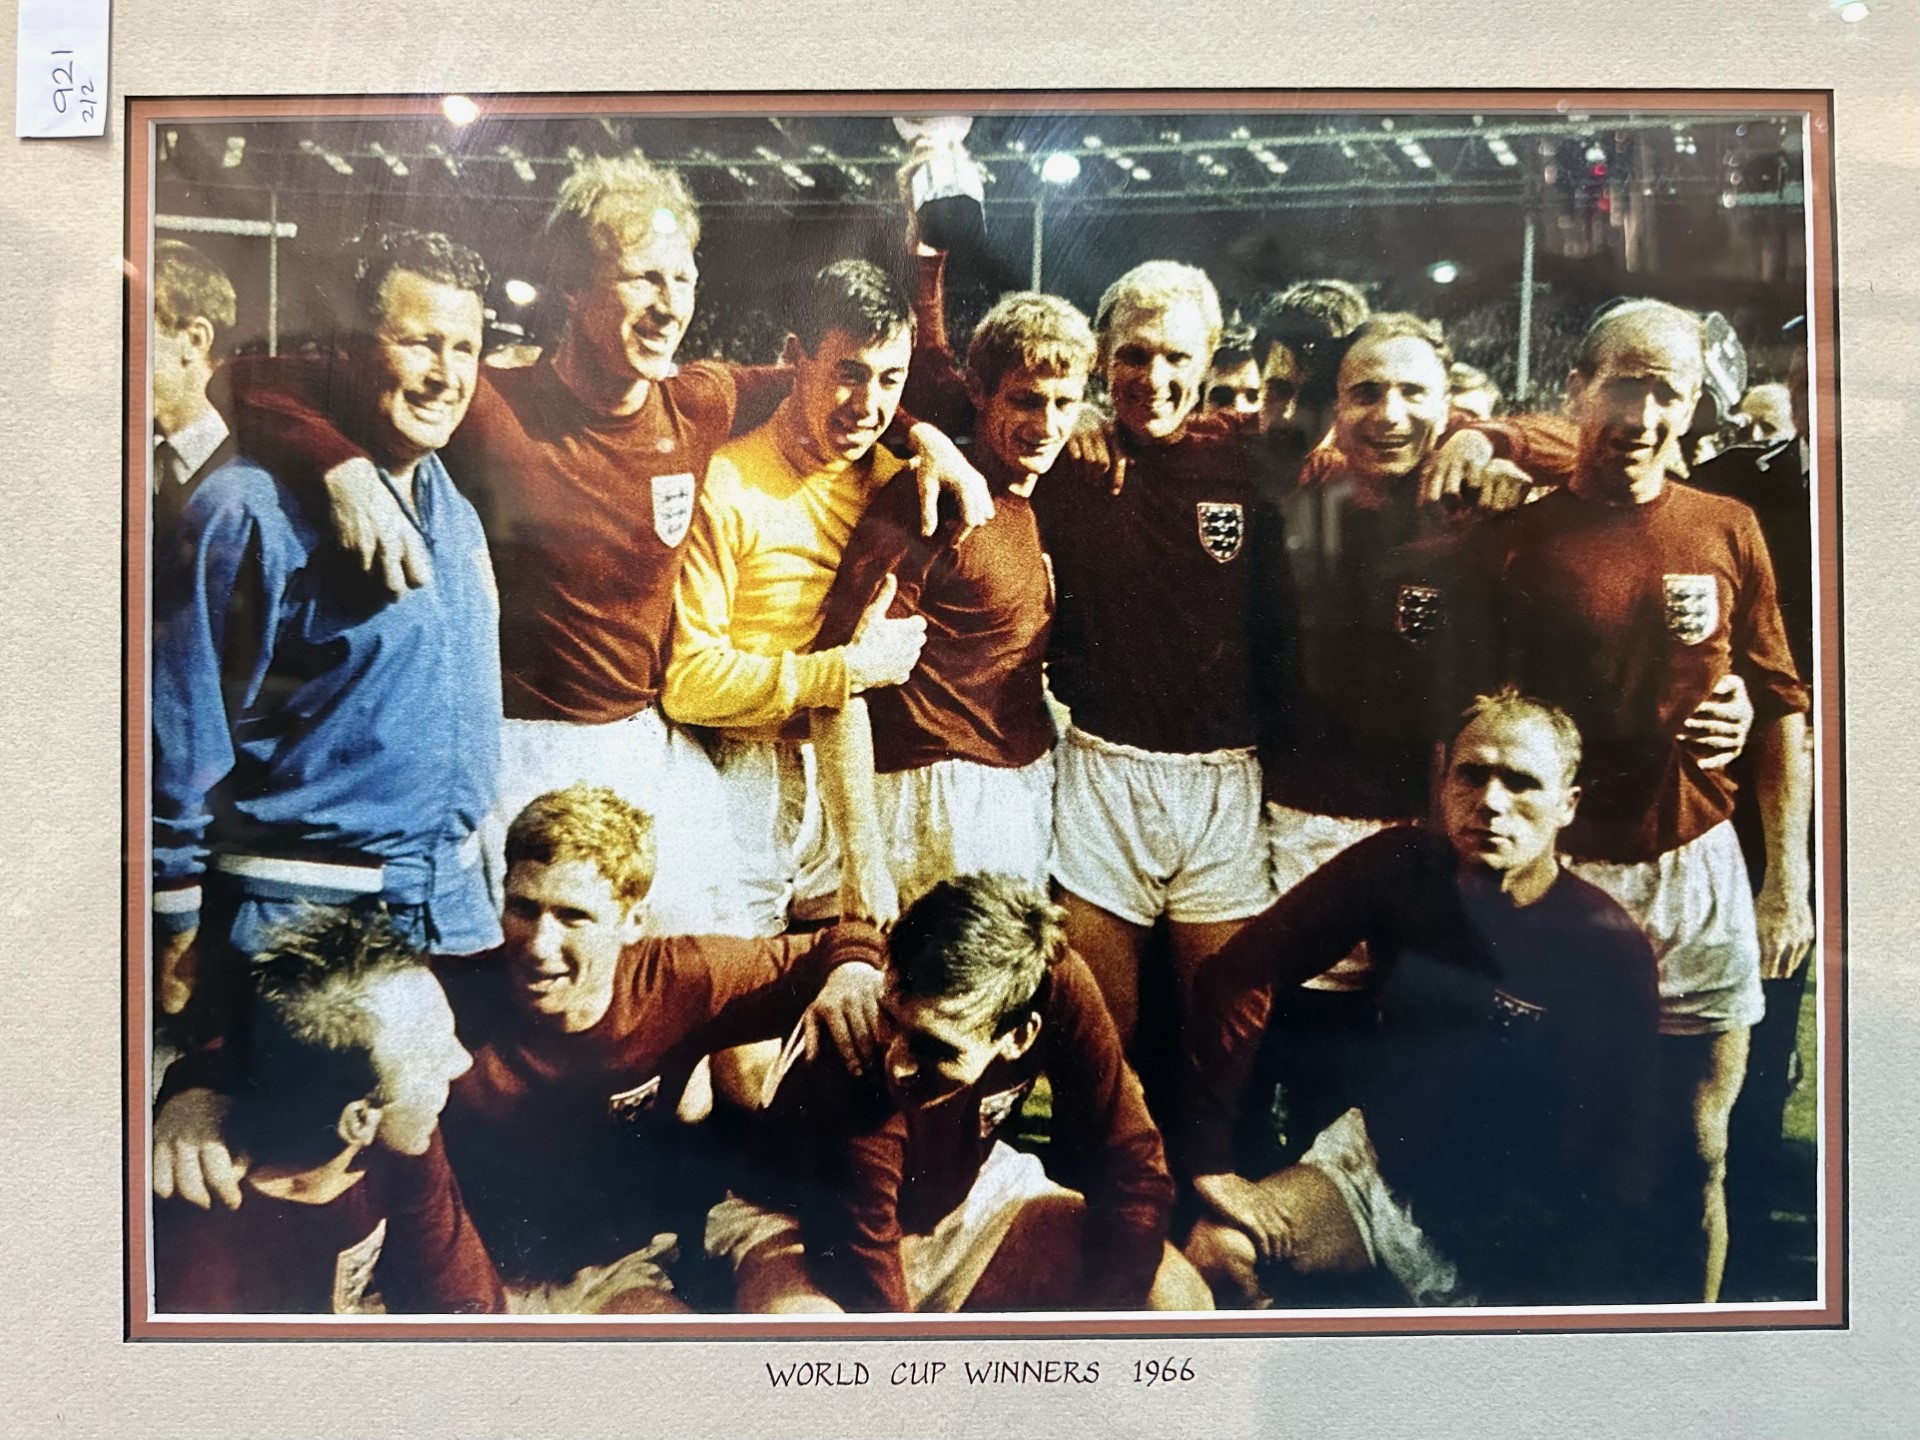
[
  {"x": 1499, "y": 1153},
  {"x": 895, "y": 1191},
  {"x": 349, "y": 1049}
]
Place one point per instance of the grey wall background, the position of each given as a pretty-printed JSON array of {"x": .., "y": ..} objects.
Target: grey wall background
[{"x": 64, "y": 1369}]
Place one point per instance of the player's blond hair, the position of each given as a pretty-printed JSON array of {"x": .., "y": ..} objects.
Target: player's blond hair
[
  {"x": 608, "y": 202},
  {"x": 187, "y": 285},
  {"x": 1509, "y": 702},
  {"x": 1158, "y": 285},
  {"x": 590, "y": 823},
  {"x": 1030, "y": 331}
]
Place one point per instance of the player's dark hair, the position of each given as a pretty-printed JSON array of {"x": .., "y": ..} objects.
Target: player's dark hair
[
  {"x": 303, "y": 1049},
  {"x": 376, "y": 252},
  {"x": 983, "y": 938},
  {"x": 1399, "y": 325},
  {"x": 856, "y": 296},
  {"x": 1314, "y": 320},
  {"x": 1238, "y": 344}
]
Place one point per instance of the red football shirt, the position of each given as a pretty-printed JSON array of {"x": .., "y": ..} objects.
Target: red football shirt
[
  {"x": 401, "y": 1231},
  {"x": 1626, "y": 616},
  {"x": 977, "y": 692}
]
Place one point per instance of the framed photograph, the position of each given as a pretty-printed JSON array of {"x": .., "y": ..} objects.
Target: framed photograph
[
  {"x": 1810, "y": 1335},
  {"x": 1329, "y": 410}
]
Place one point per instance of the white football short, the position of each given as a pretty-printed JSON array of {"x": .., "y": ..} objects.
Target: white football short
[
  {"x": 1141, "y": 833},
  {"x": 1696, "y": 906},
  {"x": 941, "y": 1268},
  {"x": 1344, "y": 1153},
  {"x": 959, "y": 817},
  {"x": 785, "y": 856},
  {"x": 659, "y": 768}
]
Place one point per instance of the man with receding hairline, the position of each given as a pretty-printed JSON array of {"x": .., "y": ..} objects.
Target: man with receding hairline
[
  {"x": 1159, "y": 643},
  {"x": 1625, "y": 598},
  {"x": 310, "y": 746},
  {"x": 1496, "y": 1152}
]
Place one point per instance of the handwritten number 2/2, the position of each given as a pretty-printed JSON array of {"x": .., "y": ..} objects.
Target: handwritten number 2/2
[{"x": 62, "y": 76}]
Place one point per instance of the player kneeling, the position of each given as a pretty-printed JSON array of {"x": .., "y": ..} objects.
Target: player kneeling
[
  {"x": 1498, "y": 1155},
  {"x": 896, "y": 1191}
]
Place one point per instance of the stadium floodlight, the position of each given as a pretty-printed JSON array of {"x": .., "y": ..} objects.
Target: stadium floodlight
[
  {"x": 1060, "y": 168},
  {"x": 339, "y": 164},
  {"x": 520, "y": 292},
  {"x": 1443, "y": 272}
]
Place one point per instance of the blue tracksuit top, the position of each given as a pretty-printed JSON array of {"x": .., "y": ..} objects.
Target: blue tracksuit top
[{"x": 298, "y": 710}]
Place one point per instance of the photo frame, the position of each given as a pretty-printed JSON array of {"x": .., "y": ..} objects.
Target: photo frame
[
  {"x": 65, "y": 1197},
  {"x": 295, "y": 177}
]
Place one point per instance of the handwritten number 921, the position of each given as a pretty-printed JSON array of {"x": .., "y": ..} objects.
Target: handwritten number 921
[
  {"x": 63, "y": 87},
  {"x": 1162, "y": 1372}
]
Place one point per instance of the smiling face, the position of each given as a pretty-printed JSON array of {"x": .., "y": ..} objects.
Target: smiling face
[
  {"x": 630, "y": 317},
  {"x": 1506, "y": 795},
  {"x": 1634, "y": 408},
  {"x": 846, "y": 392},
  {"x": 416, "y": 1056},
  {"x": 565, "y": 931},
  {"x": 1392, "y": 406},
  {"x": 1157, "y": 357},
  {"x": 1026, "y": 420},
  {"x": 422, "y": 366},
  {"x": 937, "y": 1048}
]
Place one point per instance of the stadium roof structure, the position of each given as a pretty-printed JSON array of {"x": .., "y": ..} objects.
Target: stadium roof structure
[{"x": 1126, "y": 162}]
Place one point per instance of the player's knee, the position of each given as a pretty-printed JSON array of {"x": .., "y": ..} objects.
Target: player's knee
[
  {"x": 1224, "y": 1258},
  {"x": 773, "y": 1279},
  {"x": 1177, "y": 1284}
]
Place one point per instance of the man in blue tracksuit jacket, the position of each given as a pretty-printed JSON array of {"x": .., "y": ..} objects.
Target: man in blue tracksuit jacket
[{"x": 315, "y": 740}]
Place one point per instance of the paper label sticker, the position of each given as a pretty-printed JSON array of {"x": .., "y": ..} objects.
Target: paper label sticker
[{"x": 62, "y": 70}]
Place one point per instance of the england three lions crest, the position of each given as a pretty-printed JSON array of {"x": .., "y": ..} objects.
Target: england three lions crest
[
  {"x": 672, "y": 507},
  {"x": 1692, "y": 606},
  {"x": 1223, "y": 525},
  {"x": 997, "y": 1109},
  {"x": 1419, "y": 611}
]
